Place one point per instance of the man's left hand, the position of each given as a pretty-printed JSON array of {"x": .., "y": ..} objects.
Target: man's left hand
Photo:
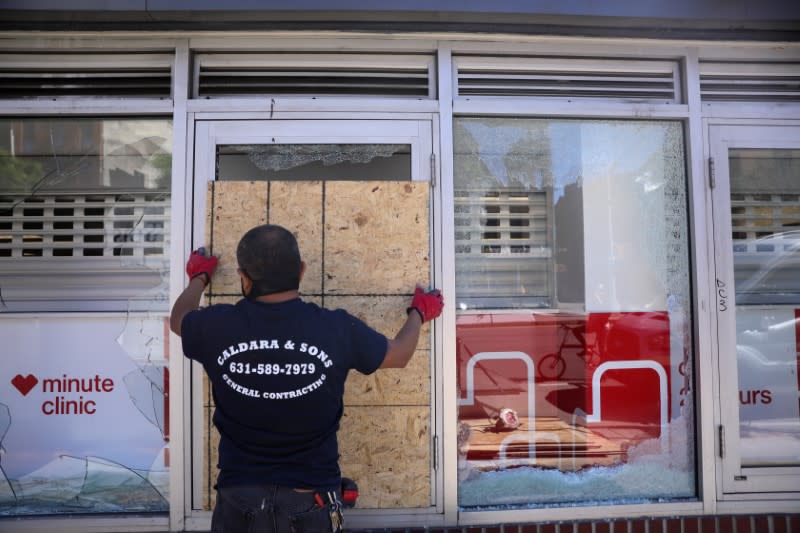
[{"x": 199, "y": 264}]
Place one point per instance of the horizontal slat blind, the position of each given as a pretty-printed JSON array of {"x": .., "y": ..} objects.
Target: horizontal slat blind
[
  {"x": 563, "y": 77},
  {"x": 749, "y": 82},
  {"x": 220, "y": 75},
  {"x": 131, "y": 225},
  {"x": 766, "y": 246},
  {"x": 86, "y": 75},
  {"x": 757, "y": 216},
  {"x": 503, "y": 248}
]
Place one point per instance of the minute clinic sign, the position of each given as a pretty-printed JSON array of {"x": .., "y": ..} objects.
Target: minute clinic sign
[
  {"x": 82, "y": 396},
  {"x": 62, "y": 403}
]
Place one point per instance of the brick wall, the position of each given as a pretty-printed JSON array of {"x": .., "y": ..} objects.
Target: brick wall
[{"x": 775, "y": 523}]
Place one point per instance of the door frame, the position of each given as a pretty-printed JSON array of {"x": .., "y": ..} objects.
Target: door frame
[
  {"x": 732, "y": 479},
  {"x": 420, "y": 130}
]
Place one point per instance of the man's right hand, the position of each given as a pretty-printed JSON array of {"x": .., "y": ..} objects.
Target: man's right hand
[
  {"x": 199, "y": 264},
  {"x": 428, "y": 304}
]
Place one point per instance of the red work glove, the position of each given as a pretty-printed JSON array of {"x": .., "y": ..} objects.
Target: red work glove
[
  {"x": 199, "y": 264},
  {"x": 428, "y": 304}
]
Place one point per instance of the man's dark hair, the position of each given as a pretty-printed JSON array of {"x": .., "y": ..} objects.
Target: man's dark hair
[{"x": 269, "y": 256}]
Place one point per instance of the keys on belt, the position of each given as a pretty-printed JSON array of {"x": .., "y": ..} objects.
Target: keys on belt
[{"x": 335, "y": 506}]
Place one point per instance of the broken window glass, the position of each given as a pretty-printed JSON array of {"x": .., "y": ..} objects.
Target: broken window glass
[
  {"x": 84, "y": 226},
  {"x": 90, "y": 199},
  {"x": 573, "y": 317},
  {"x": 332, "y": 162}
]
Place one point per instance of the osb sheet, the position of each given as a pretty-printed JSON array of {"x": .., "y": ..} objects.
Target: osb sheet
[
  {"x": 210, "y": 470},
  {"x": 386, "y": 314},
  {"x": 237, "y": 206},
  {"x": 392, "y": 386},
  {"x": 367, "y": 257},
  {"x": 387, "y": 451},
  {"x": 376, "y": 237},
  {"x": 297, "y": 206},
  {"x": 224, "y": 298},
  {"x": 208, "y": 397},
  {"x": 313, "y": 299}
]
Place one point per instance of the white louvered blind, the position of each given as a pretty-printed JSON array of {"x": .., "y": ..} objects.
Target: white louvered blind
[
  {"x": 765, "y": 221},
  {"x": 86, "y": 75},
  {"x": 90, "y": 251},
  {"x": 503, "y": 249},
  {"x": 249, "y": 74},
  {"x": 620, "y": 80},
  {"x": 722, "y": 81},
  {"x": 760, "y": 216},
  {"x": 85, "y": 225},
  {"x": 766, "y": 246}
]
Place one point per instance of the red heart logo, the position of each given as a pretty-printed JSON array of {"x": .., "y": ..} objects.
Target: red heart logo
[{"x": 24, "y": 384}]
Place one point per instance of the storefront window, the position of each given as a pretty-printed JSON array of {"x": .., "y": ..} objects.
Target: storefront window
[
  {"x": 84, "y": 264},
  {"x": 573, "y": 313},
  {"x": 765, "y": 217}
]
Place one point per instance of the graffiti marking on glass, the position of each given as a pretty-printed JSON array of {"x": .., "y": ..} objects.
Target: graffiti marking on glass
[{"x": 722, "y": 293}]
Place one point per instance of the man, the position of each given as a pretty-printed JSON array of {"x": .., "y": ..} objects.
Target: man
[{"x": 277, "y": 366}]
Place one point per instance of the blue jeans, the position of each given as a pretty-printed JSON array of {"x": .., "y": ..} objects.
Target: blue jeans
[{"x": 268, "y": 509}]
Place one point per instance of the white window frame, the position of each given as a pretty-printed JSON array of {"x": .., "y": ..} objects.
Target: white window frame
[
  {"x": 735, "y": 481},
  {"x": 591, "y": 109},
  {"x": 419, "y": 132},
  {"x": 97, "y": 107},
  {"x": 185, "y": 111}
]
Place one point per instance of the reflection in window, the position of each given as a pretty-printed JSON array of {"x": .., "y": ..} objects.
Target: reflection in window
[
  {"x": 765, "y": 216},
  {"x": 84, "y": 227},
  {"x": 572, "y": 287},
  {"x": 765, "y": 221},
  {"x": 89, "y": 198}
]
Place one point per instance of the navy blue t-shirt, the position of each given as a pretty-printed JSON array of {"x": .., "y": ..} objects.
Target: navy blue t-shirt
[{"x": 278, "y": 374}]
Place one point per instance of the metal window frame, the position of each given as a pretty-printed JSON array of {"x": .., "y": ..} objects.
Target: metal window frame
[
  {"x": 102, "y": 108},
  {"x": 184, "y": 111},
  {"x": 590, "y": 109},
  {"x": 758, "y": 481},
  {"x": 418, "y": 131}
]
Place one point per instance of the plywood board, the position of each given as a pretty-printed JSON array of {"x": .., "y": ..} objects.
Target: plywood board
[
  {"x": 366, "y": 245},
  {"x": 223, "y": 299},
  {"x": 400, "y": 386},
  {"x": 386, "y": 314},
  {"x": 386, "y": 450},
  {"x": 376, "y": 237},
  {"x": 237, "y": 206},
  {"x": 210, "y": 470},
  {"x": 297, "y": 206}
]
